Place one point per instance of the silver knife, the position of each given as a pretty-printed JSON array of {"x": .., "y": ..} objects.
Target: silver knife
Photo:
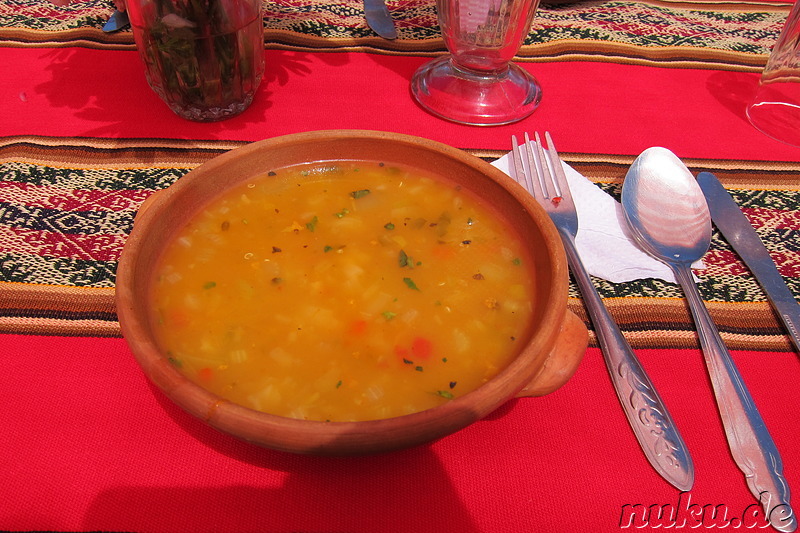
[
  {"x": 740, "y": 234},
  {"x": 116, "y": 22},
  {"x": 379, "y": 19}
]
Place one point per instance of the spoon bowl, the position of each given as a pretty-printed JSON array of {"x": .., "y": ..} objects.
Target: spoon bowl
[
  {"x": 669, "y": 218},
  {"x": 665, "y": 208}
]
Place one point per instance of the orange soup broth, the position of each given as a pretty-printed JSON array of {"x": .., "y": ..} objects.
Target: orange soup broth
[{"x": 343, "y": 291}]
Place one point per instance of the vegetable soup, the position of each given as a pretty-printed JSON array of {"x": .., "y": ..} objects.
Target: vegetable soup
[{"x": 343, "y": 291}]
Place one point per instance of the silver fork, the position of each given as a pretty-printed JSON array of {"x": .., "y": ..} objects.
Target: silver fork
[{"x": 539, "y": 170}]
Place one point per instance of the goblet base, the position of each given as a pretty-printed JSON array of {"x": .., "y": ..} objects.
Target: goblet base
[
  {"x": 776, "y": 111},
  {"x": 476, "y": 98}
]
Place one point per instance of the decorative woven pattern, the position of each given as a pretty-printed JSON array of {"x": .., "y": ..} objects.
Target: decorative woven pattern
[
  {"x": 63, "y": 226},
  {"x": 45, "y": 16},
  {"x": 735, "y": 36}
]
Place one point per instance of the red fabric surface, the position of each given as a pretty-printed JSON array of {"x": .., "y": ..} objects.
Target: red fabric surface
[
  {"x": 589, "y": 107},
  {"x": 126, "y": 459},
  {"x": 89, "y": 444}
]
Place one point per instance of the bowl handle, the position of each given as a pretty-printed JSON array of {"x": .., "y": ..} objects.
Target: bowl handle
[{"x": 563, "y": 361}]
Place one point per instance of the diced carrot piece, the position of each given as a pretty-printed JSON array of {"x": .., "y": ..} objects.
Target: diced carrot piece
[
  {"x": 205, "y": 374},
  {"x": 358, "y": 327},
  {"x": 444, "y": 251},
  {"x": 421, "y": 348},
  {"x": 179, "y": 318}
]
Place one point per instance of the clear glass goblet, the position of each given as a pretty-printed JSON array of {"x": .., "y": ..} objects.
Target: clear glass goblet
[
  {"x": 476, "y": 83},
  {"x": 775, "y": 108}
]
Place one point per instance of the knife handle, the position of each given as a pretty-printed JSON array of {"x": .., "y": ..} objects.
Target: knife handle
[
  {"x": 647, "y": 415},
  {"x": 750, "y": 443}
]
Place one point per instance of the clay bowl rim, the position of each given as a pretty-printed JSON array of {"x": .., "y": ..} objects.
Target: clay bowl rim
[{"x": 321, "y": 437}]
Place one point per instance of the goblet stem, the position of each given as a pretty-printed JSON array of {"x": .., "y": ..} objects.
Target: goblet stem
[{"x": 477, "y": 83}]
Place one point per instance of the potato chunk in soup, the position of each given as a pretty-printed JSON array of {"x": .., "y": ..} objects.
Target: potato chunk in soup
[{"x": 343, "y": 291}]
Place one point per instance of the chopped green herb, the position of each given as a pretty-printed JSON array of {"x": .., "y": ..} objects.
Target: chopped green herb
[
  {"x": 404, "y": 260},
  {"x": 453, "y": 384},
  {"x": 445, "y": 394},
  {"x": 327, "y": 249},
  {"x": 466, "y": 242},
  {"x": 418, "y": 368},
  {"x": 210, "y": 285},
  {"x": 341, "y": 213},
  {"x": 389, "y": 226},
  {"x": 388, "y": 315},
  {"x": 442, "y": 225},
  {"x": 410, "y": 284},
  {"x": 276, "y": 250},
  {"x": 175, "y": 362},
  {"x": 408, "y": 361},
  {"x": 271, "y": 173},
  {"x": 339, "y": 384},
  {"x": 444, "y": 359},
  {"x": 276, "y": 281},
  {"x": 517, "y": 261},
  {"x": 313, "y": 224},
  {"x": 360, "y": 193}
]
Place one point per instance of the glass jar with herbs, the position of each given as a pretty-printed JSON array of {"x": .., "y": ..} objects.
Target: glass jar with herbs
[{"x": 204, "y": 58}]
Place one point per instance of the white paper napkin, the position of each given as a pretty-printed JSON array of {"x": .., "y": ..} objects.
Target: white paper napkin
[{"x": 604, "y": 243}]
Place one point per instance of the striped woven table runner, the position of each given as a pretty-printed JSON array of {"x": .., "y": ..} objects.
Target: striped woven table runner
[
  {"x": 725, "y": 35},
  {"x": 69, "y": 204}
]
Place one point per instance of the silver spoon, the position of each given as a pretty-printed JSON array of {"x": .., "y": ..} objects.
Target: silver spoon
[{"x": 669, "y": 218}]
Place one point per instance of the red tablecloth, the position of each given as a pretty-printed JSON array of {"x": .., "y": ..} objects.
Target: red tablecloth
[
  {"x": 89, "y": 445},
  {"x": 589, "y": 107}
]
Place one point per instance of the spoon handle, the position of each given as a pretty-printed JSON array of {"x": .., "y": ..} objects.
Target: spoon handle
[
  {"x": 750, "y": 443},
  {"x": 647, "y": 415}
]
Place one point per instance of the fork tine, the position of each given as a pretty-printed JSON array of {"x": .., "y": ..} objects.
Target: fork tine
[
  {"x": 532, "y": 163},
  {"x": 559, "y": 177},
  {"x": 515, "y": 162},
  {"x": 542, "y": 167},
  {"x": 517, "y": 165}
]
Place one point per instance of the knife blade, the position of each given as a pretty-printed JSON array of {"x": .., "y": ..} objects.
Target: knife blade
[
  {"x": 379, "y": 19},
  {"x": 738, "y": 231},
  {"x": 117, "y": 21}
]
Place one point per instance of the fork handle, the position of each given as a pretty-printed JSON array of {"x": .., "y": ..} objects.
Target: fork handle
[{"x": 648, "y": 416}]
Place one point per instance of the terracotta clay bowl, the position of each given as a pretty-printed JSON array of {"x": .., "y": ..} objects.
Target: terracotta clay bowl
[{"x": 552, "y": 348}]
